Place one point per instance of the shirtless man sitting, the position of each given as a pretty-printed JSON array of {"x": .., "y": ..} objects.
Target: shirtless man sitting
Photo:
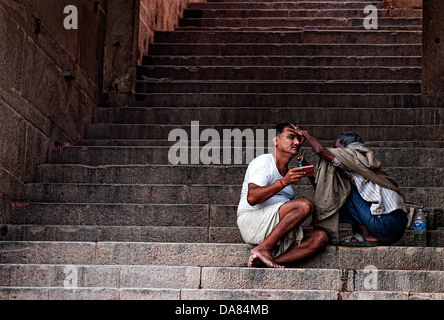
[{"x": 267, "y": 214}]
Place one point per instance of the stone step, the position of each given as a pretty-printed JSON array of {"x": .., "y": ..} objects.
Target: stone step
[
  {"x": 39, "y": 293},
  {"x": 87, "y": 215},
  {"x": 277, "y": 100},
  {"x": 138, "y": 193},
  {"x": 321, "y": 132},
  {"x": 307, "y": 36},
  {"x": 19, "y": 275},
  {"x": 149, "y": 155},
  {"x": 123, "y": 215},
  {"x": 202, "y": 174},
  {"x": 102, "y": 156},
  {"x": 115, "y": 215},
  {"x": 340, "y": 12},
  {"x": 297, "y": 22},
  {"x": 321, "y": 279},
  {"x": 67, "y": 215},
  {"x": 181, "y": 194},
  {"x": 407, "y": 61},
  {"x": 13, "y": 275},
  {"x": 319, "y": 12},
  {"x": 94, "y": 233},
  {"x": 264, "y": 294},
  {"x": 238, "y": 49},
  {"x": 133, "y": 214},
  {"x": 274, "y": 1},
  {"x": 52, "y": 293},
  {"x": 209, "y": 255},
  {"x": 313, "y": 116},
  {"x": 288, "y": 5},
  {"x": 154, "y": 193},
  {"x": 392, "y": 28},
  {"x": 278, "y": 73},
  {"x": 172, "y": 234},
  {"x": 143, "y": 214},
  {"x": 166, "y": 143}
]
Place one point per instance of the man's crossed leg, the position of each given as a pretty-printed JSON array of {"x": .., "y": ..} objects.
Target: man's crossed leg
[{"x": 292, "y": 214}]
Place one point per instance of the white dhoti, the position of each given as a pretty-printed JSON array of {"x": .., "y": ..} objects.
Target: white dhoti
[{"x": 256, "y": 225}]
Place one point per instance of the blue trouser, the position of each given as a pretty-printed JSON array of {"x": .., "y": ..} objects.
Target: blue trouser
[{"x": 388, "y": 228}]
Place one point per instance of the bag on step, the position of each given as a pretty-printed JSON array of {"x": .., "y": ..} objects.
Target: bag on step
[{"x": 412, "y": 210}]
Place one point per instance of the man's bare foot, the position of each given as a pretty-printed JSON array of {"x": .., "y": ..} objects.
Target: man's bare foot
[
  {"x": 366, "y": 234},
  {"x": 259, "y": 253},
  {"x": 254, "y": 262},
  {"x": 371, "y": 239}
]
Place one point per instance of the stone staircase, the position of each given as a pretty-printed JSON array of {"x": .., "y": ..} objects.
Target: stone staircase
[{"x": 110, "y": 218}]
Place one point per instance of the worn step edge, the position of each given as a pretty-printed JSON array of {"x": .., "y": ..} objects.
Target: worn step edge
[
  {"x": 134, "y": 174},
  {"x": 213, "y": 5},
  {"x": 107, "y": 276},
  {"x": 141, "y": 215},
  {"x": 176, "y": 194},
  {"x": 157, "y": 234},
  {"x": 273, "y": 294},
  {"x": 262, "y": 87},
  {"x": 209, "y": 255},
  {"x": 322, "y": 132},
  {"x": 332, "y": 279},
  {"x": 221, "y": 278},
  {"x": 308, "y": 36},
  {"x": 283, "y": 100},
  {"x": 393, "y": 28},
  {"x": 39, "y": 293},
  {"x": 135, "y": 214},
  {"x": 234, "y": 155},
  {"x": 279, "y": 49},
  {"x": 166, "y": 143},
  {"x": 81, "y": 233}
]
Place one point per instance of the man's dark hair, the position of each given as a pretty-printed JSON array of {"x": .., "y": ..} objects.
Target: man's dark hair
[
  {"x": 280, "y": 128},
  {"x": 347, "y": 138}
]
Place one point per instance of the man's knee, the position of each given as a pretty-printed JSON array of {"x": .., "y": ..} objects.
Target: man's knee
[
  {"x": 297, "y": 209},
  {"x": 321, "y": 238},
  {"x": 307, "y": 206}
]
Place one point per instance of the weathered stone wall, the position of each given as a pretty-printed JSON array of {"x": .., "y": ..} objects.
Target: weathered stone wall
[
  {"x": 131, "y": 27},
  {"x": 38, "y": 105},
  {"x": 403, "y": 3},
  {"x": 433, "y": 54},
  {"x": 158, "y": 15},
  {"x": 51, "y": 78}
]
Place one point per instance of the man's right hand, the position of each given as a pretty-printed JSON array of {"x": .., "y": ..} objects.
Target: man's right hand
[{"x": 293, "y": 176}]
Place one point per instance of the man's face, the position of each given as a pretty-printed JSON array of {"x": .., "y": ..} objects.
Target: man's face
[
  {"x": 337, "y": 144},
  {"x": 289, "y": 142}
]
